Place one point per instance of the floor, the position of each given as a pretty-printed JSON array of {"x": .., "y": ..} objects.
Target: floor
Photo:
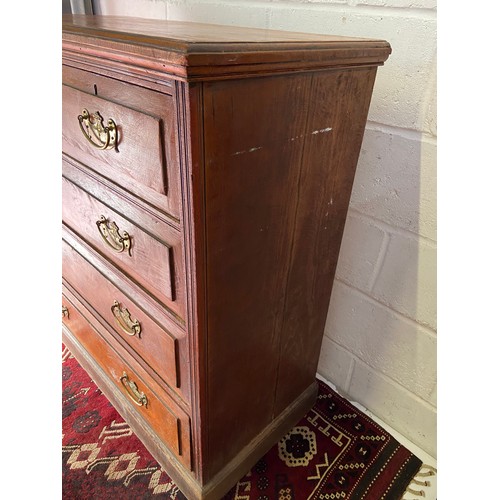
[{"x": 430, "y": 492}]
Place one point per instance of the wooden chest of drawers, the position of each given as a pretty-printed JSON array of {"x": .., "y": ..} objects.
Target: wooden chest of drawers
[{"x": 207, "y": 172}]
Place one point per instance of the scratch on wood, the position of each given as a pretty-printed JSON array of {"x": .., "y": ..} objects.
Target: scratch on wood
[
  {"x": 251, "y": 150},
  {"x": 314, "y": 132},
  {"x": 322, "y": 131}
]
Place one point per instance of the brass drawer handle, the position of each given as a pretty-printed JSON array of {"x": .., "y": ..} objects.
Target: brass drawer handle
[
  {"x": 93, "y": 129},
  {"x": 139, "y": 398},
  {"x": 125, "y": 322},
  {"x": 65, "y": 312},
  {"x": 111, "y": 235}
]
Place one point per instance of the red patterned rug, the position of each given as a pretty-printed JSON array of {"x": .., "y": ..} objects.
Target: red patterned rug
[{"x": 334, "y": 452}]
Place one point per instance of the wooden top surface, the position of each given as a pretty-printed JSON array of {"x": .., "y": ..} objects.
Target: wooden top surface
[
  {"x": 165, "y": 33},
  {"x": 194, "y": 45}
]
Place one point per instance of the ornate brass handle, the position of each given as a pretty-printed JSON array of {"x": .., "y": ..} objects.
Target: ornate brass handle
[
  {"x": 65, "y": 312},
  {"x": 125, "y": 322},
  {"x": 139, "y": 398},
  {"x": 93, "y": 129},
  {"x": 111, "y": 235}
]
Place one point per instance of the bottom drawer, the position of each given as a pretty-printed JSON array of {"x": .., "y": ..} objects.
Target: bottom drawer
[{"x": 168, "y": 421}]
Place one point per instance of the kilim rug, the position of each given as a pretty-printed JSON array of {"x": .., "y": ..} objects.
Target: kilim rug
[{"x": 334, "y": 452}]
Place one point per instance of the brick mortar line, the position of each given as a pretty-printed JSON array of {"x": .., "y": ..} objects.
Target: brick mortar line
[
  {"x": 429, "y": 330},
  {"x": 382, "y": 254},
  {"x": 355, "y": 358},
  {"x": 405, "y": 132},
  {"x": 388, "y": 228},
  {"x": 355, "y": 3},
  {"x": 350, "y": 370},
  {"x": 384, "y": 376}
]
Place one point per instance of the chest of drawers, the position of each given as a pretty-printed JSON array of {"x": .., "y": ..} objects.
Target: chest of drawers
[{"x": 206, "y": 173}]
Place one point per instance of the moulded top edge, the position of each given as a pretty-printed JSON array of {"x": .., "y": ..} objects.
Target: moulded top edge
[
  {"x": 195, "y": 51},
  {"x": 191, "y": 37}
]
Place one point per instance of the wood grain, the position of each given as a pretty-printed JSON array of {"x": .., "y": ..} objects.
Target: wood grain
[
  {"x": 178, "y": 34},
  {"x": 336, "y": 114},
  {"x": 250, "y": 168}
]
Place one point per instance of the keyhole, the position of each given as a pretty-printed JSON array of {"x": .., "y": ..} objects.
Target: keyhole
[{"x": 95, "y": 89}]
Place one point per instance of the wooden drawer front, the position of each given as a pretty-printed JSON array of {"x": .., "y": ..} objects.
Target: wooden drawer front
[
  {"x": 128, "y": 321},
  {"x": 169, "y": 422},
  {"x": 138, "y": 160},
  {"x": 145, "y": 258},
  {"x": 148, "y": 102}
]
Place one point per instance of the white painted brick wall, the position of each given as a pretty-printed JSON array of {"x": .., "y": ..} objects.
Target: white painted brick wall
[
  {"x": 380, "y": 338},
  {"x": 407, "y": 278},
  {"x": 396, "y": 179},
  {"x": 362, "y": 246},
  {"x": 150, "y": 9},
  {"x": 385, "y": 397},
  {"x": 386, "y": 341},
  {"x": 232, "y": 13},
  {"x": 336, "y": 364}
]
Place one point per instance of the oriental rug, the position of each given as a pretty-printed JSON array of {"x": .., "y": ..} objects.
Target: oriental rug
[{"x": 333, "y": 452}]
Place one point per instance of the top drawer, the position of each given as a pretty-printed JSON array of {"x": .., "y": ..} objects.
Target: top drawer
[{"x": 141, "y": 152}]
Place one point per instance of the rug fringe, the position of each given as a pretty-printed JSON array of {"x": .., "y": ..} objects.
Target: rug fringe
[
  {"x": 424, "y": 471},
  {"x": 431, "y": 471},
  {"x": 419, "y": 493},
  {"x": 421, "y": 483}
]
